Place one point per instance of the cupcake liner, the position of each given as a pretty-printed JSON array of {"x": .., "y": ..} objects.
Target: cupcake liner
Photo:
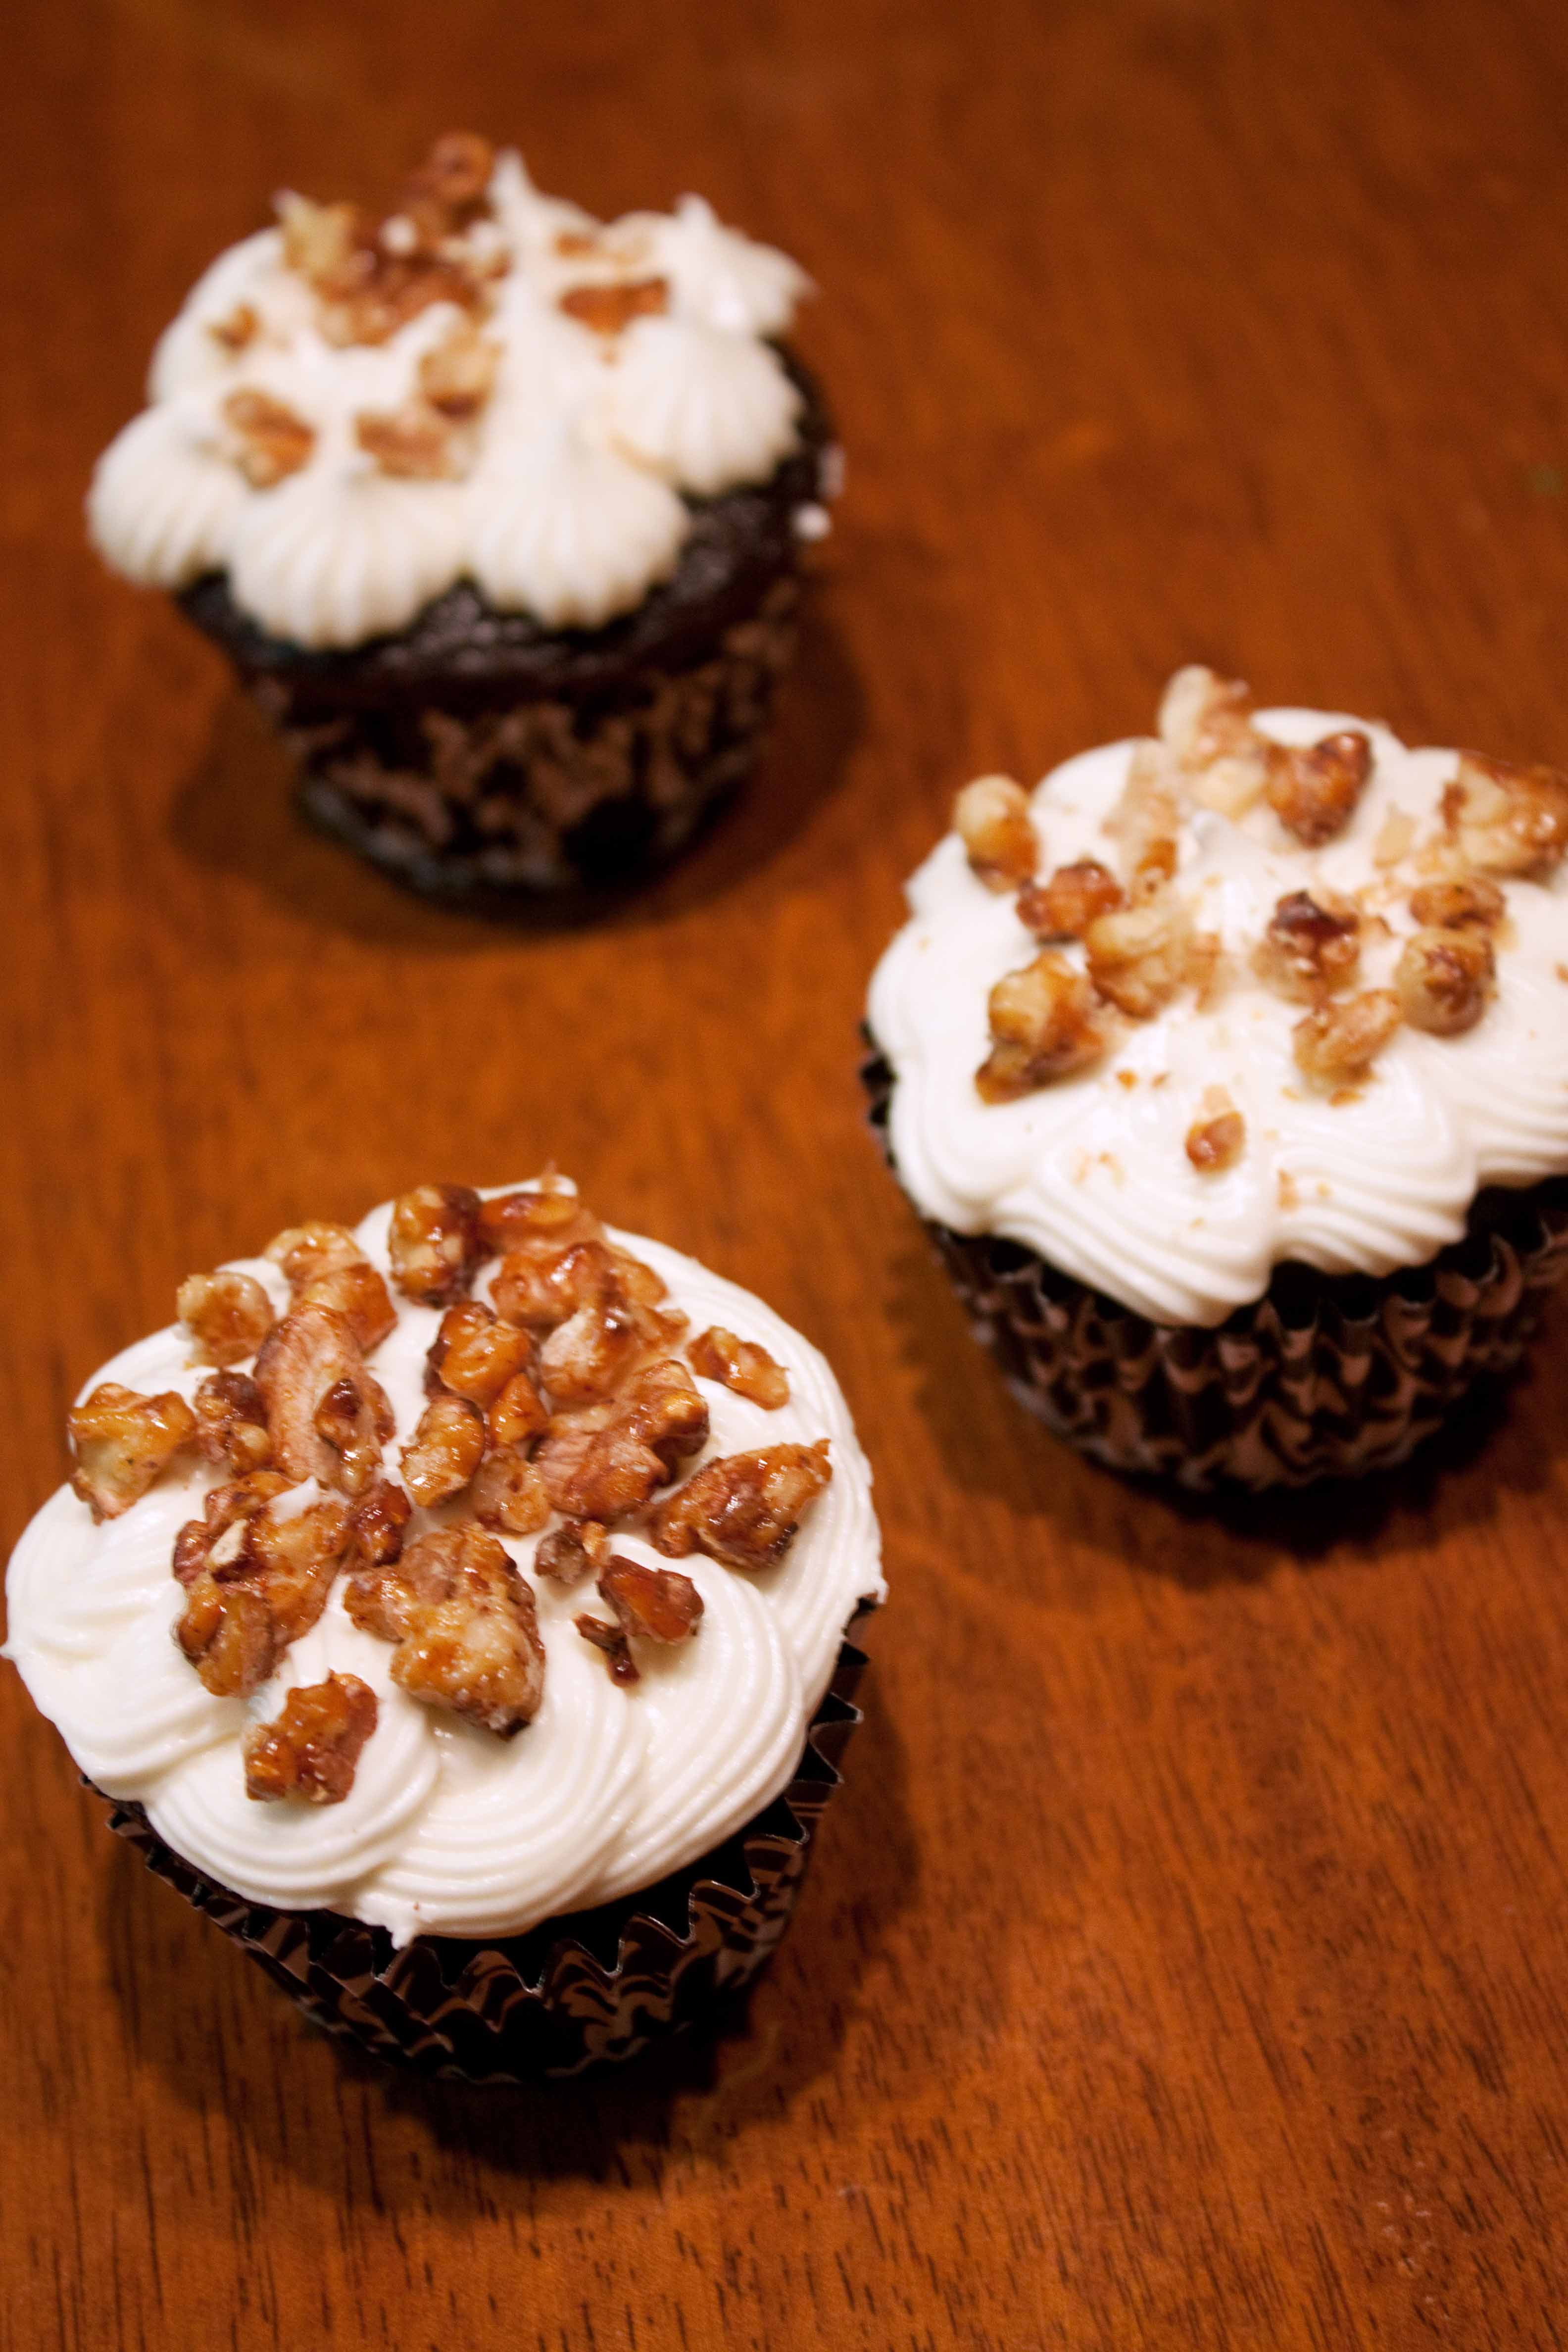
[
  {"x": 577, "y": 1990},
  {"x": 1325, "y": 1376}
]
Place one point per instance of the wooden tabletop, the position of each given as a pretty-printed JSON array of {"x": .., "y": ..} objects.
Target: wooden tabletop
[{"x": 1185, "y": 1963}]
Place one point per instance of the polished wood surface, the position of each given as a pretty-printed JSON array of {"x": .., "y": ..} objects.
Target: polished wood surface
[{"x": 1184, "y": 1964}]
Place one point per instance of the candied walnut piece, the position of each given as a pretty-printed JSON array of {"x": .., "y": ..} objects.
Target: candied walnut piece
[
  {"x": 304, "y": 1253},
  {"x": 1465, "y": 902},
  {"x": 990, "y": 817},
  {"x": 377, "y": 1523},
  {"x": 240, "y": 326},
  {"x": 656, "y": 1604},
  {"x": 1313, "y": 789},
  {"x": 228, "y": 1636},
  {"x": 444, "y": 1450},
  {"x": 359, "y": 1295},
  {"x": 743, "y": 1508},
  {"x": 413, "y": 443},
  {"x": 1043, "y": 1027},
  {"x": 474, "y": 1354},
  {"x": 541, "y": 1283},
  {"x": 587, "y": 1358},
  {"x": 240, "y": 1499},
  {"x": 567, "y": 1553},
  {"x": 1217, "y": 1141},
  {"x": 1443, "y": 979},
  {"x": 1311, "y": 948},
  {"x": 454, "y": 178},
  {"x": 231, "y": 1422},
  {"x": 434, "y": 1243},
  {"x": 323, "y": 242},
  {"x": 664, "y": 1408},
  {"x": 1064, "y": 908},
  {"x": 123, "y": 1442},
  {"x": 458, "y": 376},
  {"x": 507, "y": 1492},
  {"x": 613, "y": 1460},
  {"x": 518, "y": 1414},
  {"x": 1146, "y": 821},
  {"x": 548, "y": 1214},
  {"x": 227, "y": 1315},
  {"x": 742, "y": 1365},
  {"x": 1206, "y": 723},
  {"x": 273, "y": 441},
  {"x": 612, "y": 1640},
  {"x": 610, "y": 309},
  {"x": 265, "y": 1581},
  {"x": 1137, "y": 958},
  {"x": 468, "y": 1631},
  {"x": 309, "y": 1357},
  {"x": 1337, "y": 1044},
  {"x": 1505, "y": 819},
  {"x": 310, "y": 1749}
]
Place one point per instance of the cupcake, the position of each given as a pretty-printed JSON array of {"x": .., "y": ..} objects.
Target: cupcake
[
  {"x": 1229, "y": 1071},
  {"x": 454, "y": 1610},
  {"x": 497, "y": 511}
]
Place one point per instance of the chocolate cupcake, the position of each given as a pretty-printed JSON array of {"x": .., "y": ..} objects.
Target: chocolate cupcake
[
  {"x": 454, "y": 1610},
  {"x": 497, "y": 511},
  {"x": 1229, "y": 1072}
]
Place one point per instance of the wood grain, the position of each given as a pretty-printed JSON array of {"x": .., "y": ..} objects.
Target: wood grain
[{"x": 1184, "y": 1964}]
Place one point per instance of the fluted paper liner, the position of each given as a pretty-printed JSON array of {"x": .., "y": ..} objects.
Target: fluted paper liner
[
  {"x": 598, "y": 1985},
  {"x": 1326, "y": 1376}
]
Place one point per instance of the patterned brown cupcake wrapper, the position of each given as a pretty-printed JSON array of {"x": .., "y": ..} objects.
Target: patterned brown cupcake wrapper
[
  {"x": 592, "y": 1987},
  {"x": 1326, "y": 1376},
  {"x": 524, "y": 795}
]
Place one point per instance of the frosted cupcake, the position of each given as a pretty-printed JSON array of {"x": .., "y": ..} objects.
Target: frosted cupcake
[
  {"x": 455, "y": 1610},
  {"x": 497, "y": 509},
  {"x": 1229, "y": 1070}
]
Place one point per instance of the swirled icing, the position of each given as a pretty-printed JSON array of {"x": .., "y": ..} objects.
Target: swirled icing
[
  {"x": 572, "y": 505},
  {"x": 1092, "y": 1172},
  {"x": 447, "y": 1829}
]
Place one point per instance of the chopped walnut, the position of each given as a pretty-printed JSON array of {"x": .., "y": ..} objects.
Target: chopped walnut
[
  {"x": 541, "y": 1283},
  {"x": 1043, "y": 1027},
  {"x": 1443, "y": 979},
  {"x": 518, "y": 1414},
  {"x": 474, "y": 1354},
  {"x": 1064, "y": 908},
  {"x": 241, "y": 326},
  {"x": 444, "y": 1451},
  {"x": 1217, "y": 1141},
  {"x": 990, "y": 817},
  {"x": 1137, "y": 958},
  {"x": 743, "y": 1508},
  {"x": 371, "y": 279},
  {"x": 273, "y": 441},
  {"x": 742, "y": 1365},
  {"x": 655, "y": 1604},
  {"x": 549, "y": 1215},
  {"x": 123, "y": 1442},
  {"x": 377, "y": 1524},
  {"x": 1507, "y": 820},
  {"x": 304, "y": 1253},
  {"x": 1311, "y": 948},
  {"x": 507, "y": 1492},
  {"x": 228, "y": 1635},
  {"x": 413, "y": 443},
  {"x": 611, "y": 1639},
  {"x": 310, "y": 1749},
  {"x": 587, "y": 1358},
  {"x": 606, "y": 1462},
  {"x": 222, "y": 1507},
  {"x": 1313, "y": 790},
  {"x": 1205, "y": 722},
  {"x": 265, "y": 1582},
  {"x": 1337, "y": 1044},
  {"x": 231, "y": 1422},
  {"x": 1146, "y": 820},
  {"x": 638, "y": 1281},
  {"x": 610, "y": 309},
  {"x": 322, "y": 242},
  {"x": 359, "y": 1295},
  {"x": 458, "y": 376},
  {"x": 567, "y": 1553},
  {"x": 434, "y": 1243},
  {"x": 465, "y": 1624},
  {"x": 453, "y": 182},
  {"x": 329, "y": 1417},
  {"x": 1468, "y": 902},
  {"x": 227, "y": 1315}
]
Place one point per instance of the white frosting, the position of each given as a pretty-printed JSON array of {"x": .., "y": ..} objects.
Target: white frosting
[
  {"x": 570, "y": 508},
  {"x": 1092, "y": 1173},
  {"x": 446, "y": 1828}
]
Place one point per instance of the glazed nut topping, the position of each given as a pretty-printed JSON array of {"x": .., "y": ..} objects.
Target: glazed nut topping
[
  {"x": 1064, "y": 908},
  {"x": 550, "y": 1215},
  {"x": 123, "y": 1442},
  {"x": 377, "y": 1522},
  {"x": 371, "y": 277},
  {"x": 222, "y": 1507},
  {"x": 359, "y": 1295},
  {"x": 444, "y": 1450},
  {"x": 1311, "y": 948},
  {"x": 450, "y": 187},
  {"x": 304, "y": 1253},
  {"x": 1314, "y": 792},
  {"x": 272, "y": 442},
  {"x": 518, "y": 1414},
  {"x": 310, "y": 1749},
  {"x": 231, "y": 1422},
  {"x": 1137, "y": 958},
  {"x": 434, "y": 1243},
  {"x": 1443, "y": 979},
  {"x": 613, "y": 1459},
  {"x": 651, "y": 1604},
  {"x": 740, "y": 1364},
  {"x": 567, "y": 1553},
  {"x": 743, "y": 1509},
  {"x": 992, "y": 819},
  {"x": 1336, "y": 1044},
  {"x": 1464, "y": 903},
  {"x": 1217, "y": 1141},
  {"x": 1044, "y": 1026},
  {"x": 465, "y": 1625},
  {"x": 264, "y": 1583},
  {"x": 327, "y": 1417},
  {"x": 458, "y": 376},
  {"x": 609, "y": 310},
  {"x": 508, "y": 1493},
  {"x": 588, "y": 1356},
  {"x": 1146, "y": 820},
  {"x": 474, "y": 1354},
  {"x": 227, "y": 1315},
  {"x": 241, "y": 327},
  {"x": 1507, "y": 820},
  {"x": 413, "y": 443}
]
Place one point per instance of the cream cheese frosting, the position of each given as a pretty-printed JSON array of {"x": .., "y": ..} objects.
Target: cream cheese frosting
[
  {"x": 447, "y": 1829},
  {"x": 1092, "y": 1172},
  {"x": 563, "y": 494}
]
